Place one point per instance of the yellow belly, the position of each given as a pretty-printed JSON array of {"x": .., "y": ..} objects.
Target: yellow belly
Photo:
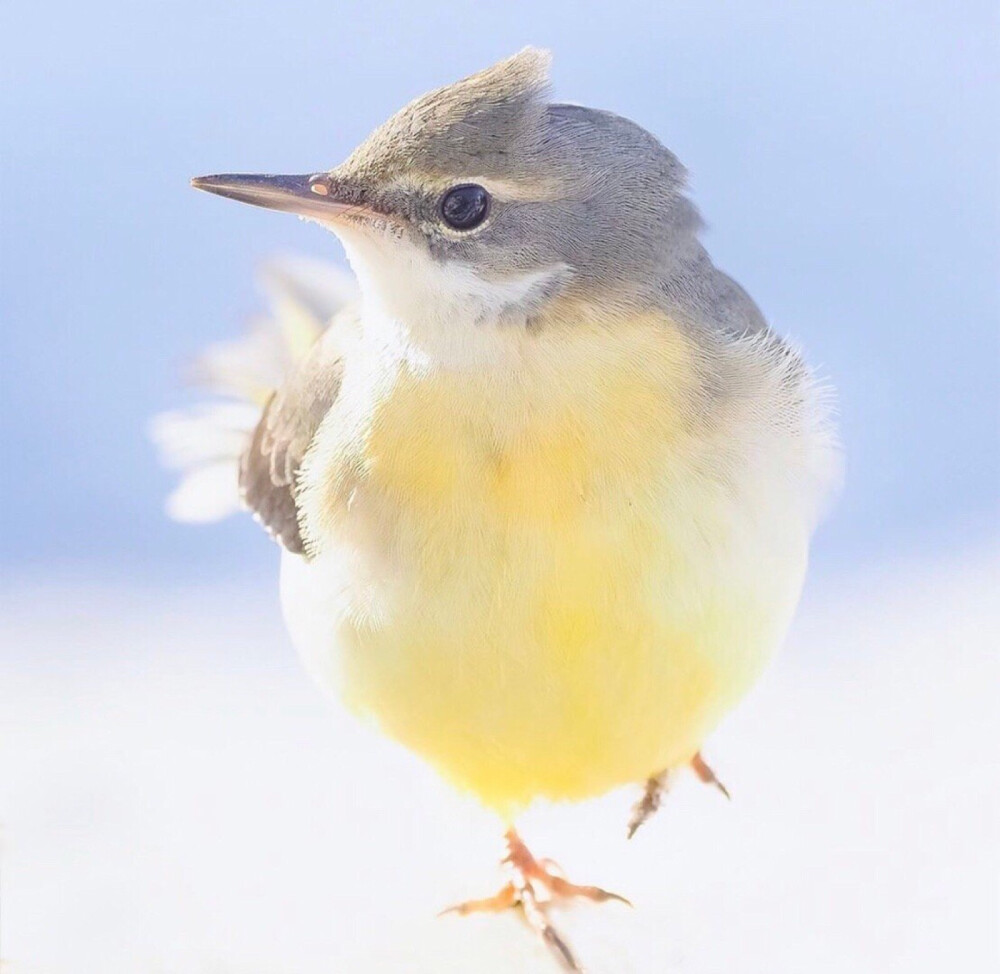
[{"x": 542, "y": 606}]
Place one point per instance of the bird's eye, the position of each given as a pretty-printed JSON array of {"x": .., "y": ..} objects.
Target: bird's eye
[{"x": 465, "y": 207}]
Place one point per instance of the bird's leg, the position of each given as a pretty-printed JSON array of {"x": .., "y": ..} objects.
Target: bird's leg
[
  {"x": 533, "y": 887},
  {"x": 656, "y": 788},
  {"x": 706, "y": 774}
]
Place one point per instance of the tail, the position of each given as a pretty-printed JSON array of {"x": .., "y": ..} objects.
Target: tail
[{"x": 205, "y": 442}]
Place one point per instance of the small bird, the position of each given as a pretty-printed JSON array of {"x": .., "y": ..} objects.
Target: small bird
[{"x": 546, "y": 489}]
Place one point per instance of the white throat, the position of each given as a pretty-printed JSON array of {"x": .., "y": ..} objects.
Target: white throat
[{"x": 440, "y": 313}]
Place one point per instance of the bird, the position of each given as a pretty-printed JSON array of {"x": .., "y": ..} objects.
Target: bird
[{"x": 545, "y": 486}]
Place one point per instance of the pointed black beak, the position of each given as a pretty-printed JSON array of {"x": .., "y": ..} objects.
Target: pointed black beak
[{"x": 312, "y": 195}]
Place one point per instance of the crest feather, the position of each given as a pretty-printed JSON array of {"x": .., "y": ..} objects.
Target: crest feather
[
  {"x": 485, "y": 115},
  {"x": 515, "y": 81}
]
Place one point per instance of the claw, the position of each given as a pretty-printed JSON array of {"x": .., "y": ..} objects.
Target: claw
[{"x": 560, "y": 887}]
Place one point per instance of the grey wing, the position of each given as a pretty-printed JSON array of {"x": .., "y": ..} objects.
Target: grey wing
[{"x": 269, "y": 467}]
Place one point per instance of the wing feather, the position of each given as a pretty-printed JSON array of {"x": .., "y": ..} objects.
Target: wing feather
[{"x": 269, "y": 467}]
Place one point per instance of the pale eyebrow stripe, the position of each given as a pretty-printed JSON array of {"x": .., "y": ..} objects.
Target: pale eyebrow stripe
[{"x": 537, "y": 191}]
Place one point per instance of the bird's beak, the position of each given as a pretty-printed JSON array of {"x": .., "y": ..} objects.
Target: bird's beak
[{"x": 313, "y": 195}]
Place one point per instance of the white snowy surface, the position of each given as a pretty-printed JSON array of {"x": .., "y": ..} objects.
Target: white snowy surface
[{"x": 176, "y": 797}]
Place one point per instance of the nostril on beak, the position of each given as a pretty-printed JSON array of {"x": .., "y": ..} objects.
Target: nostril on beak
[{"x": 320, "y": 185}]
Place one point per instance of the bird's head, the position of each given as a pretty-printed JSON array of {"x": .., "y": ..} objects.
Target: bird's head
[{"x": 480, "y": 201}]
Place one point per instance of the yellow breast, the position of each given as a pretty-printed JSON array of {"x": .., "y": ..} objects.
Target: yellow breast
[{"x": 529, "y": 577}]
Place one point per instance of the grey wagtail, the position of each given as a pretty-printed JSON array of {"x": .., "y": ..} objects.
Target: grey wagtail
[{"x": 546, "y": 488}]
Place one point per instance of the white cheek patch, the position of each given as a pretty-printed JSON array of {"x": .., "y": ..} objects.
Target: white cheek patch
[
  {"x": 491, "y": 301},
  {"x": 444, "y": 309}
]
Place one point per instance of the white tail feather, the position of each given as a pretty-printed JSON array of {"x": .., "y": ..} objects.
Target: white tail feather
[{"x": 205, "y": 441}]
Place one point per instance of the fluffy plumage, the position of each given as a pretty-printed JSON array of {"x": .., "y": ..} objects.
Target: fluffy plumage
[
  {"x": 555, "y": 580},
  {"x": 547, "y": 492}
]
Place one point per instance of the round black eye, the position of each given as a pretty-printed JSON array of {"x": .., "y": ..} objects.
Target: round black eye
[{"x": 465, "y": 207}]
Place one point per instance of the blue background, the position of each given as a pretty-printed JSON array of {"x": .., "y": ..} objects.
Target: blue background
[{"x": 844, "y": 155}]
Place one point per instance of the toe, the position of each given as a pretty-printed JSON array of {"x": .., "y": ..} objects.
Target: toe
[
  {"x": 506, "y": 898},
  {"x": 560, "y": 887}
]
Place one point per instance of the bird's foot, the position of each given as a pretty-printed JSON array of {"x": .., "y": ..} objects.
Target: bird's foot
[
  {"x": 657, "y": 786},
  {"x": 536, "y": 884},
  {"x": 706, "y": 774}
]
